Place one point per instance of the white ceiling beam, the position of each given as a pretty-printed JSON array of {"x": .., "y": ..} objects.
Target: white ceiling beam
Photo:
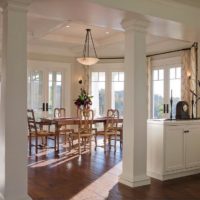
[{"x": 165, "y": 9}]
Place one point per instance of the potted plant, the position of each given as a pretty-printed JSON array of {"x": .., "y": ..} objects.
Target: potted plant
[{"x": 83, "y": 100}]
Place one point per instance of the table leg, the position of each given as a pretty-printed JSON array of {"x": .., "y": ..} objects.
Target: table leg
[{"x": 57, "y": 137}]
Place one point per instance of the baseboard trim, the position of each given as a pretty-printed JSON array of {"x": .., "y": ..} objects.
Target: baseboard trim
[
  {"x": 172, "y": 175},
  {"x": 26, "y": 197},
  {"x": 138, "y": 181}
]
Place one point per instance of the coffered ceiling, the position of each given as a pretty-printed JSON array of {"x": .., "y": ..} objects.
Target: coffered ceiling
[
  {"x": 194, "y": 3},
  {"x": 61, "y": 24}
]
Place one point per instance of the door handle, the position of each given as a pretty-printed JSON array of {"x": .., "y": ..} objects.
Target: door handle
[
  {"x": 164, "y": 110},
  {"x": 167, "y": 108},
  {"x": 47, "y": 107},
  {"x": 43, "y": 106}
]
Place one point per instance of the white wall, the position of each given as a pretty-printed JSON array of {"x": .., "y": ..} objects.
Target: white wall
[{"x": 77, "y": 73}]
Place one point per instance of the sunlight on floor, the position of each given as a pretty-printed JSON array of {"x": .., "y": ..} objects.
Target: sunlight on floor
[
  {"x": 99, "y": 189},
  {"x": 64, "y": 157}
]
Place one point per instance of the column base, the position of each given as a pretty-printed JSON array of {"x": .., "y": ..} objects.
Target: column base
[
  {"x": 138, "y": 181},
  {"x": 26, "y": 197}
]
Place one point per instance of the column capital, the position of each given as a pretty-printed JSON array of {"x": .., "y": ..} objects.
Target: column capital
[
  {"x": 136, "y": 24},
  {"x": 15, "y": 4}
]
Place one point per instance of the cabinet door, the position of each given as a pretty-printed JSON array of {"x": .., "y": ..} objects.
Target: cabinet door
[
  {"x": 174, "y": 148},
  {"x": 192, "y": 142}
]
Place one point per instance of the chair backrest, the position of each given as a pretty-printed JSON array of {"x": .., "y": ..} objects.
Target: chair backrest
[
  {"x": 112, "y": 119},
  {"x": 31, "y": 121},
  {"x": 86, "y": 117},
  {"x": 59, "y": 112}
]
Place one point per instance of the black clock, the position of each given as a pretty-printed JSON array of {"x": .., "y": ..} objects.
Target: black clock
[
  {"x": 182, "y": 110},
  {"x": 185, "y": 107}
]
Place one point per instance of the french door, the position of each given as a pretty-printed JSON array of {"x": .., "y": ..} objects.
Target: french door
[
  {"x": 166, "y": 84},
  {"x": 45, "y": 90}
]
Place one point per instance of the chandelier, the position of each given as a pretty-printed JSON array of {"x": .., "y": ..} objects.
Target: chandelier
[{"x": 86, "y": 59}]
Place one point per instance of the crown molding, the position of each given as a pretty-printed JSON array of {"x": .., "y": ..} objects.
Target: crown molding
[
  {"x": 21, "y": 5},
  {"x": 137, "y": 24},
  {"x": 50, "y": 58}
]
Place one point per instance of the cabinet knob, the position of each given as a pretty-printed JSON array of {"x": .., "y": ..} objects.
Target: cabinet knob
[{"x": 186, "y": 131}]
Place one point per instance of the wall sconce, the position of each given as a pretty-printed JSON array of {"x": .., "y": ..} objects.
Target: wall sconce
[
  {"x": 80, "y": 81},
  {"x": 189, "y": 75}
]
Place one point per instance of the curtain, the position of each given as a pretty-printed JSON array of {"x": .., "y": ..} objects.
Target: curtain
[
  {"x": 186, "y": 72},
  {"x": 149, "y": 74},
  {"x": 188, "y": 79},
  {"x": 193, "y": 80}
]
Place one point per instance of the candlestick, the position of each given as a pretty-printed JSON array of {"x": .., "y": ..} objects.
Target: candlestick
[
  {"x": 171, "y": 103},
  {"x": 192, "y": 105}
]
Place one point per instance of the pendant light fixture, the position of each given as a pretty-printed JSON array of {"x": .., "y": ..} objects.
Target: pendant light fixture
[{"x": 87, "y": 59}]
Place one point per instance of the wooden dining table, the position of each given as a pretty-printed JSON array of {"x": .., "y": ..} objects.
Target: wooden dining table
[{"x": 65, "y": 121}]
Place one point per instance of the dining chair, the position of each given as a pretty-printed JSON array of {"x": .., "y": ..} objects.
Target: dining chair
[
  {"x": 120, "y": 134},
  {"x": 78, "y": 112},
  {"x": 85, "y": 130},
  {"x": 36, "y": 131},
  {"x": 63, "y": 130},
  {"x": 110, "y": 129}
]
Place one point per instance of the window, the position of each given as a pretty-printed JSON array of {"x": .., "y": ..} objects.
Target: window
[
  {"x": 98, "y": 92},
  {"x": 45, "y": 86},
  {"x": 35, "y": 90},
  {"x": 175, "y": 87},
  {"x": 107, "y": 89},
  {"x": 166, "y": 80},
  {"x": 158, "y": 93},
  {"x": 55, "y": 90},
  {"x": 117, "y": 97}
]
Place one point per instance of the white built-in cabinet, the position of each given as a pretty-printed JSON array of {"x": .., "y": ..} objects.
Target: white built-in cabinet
[{"x": 173, "y": 148}]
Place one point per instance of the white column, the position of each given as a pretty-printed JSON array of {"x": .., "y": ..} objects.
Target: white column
[
  {"x": 135, "y": 117},
  {"x": 13, "y": 118}
]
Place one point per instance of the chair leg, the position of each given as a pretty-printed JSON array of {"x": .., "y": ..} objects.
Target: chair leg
[
  {"x": 55, "y": 142},
  {"x": 79, "y": 145},
  {"x": 105, "y": 138},
  {"x": 46, "y": 140},
  {"x": 65, "y": 138},
  {"x": 84, "y": 141},
  {"x": 72, "y": 144},
  {"x": 36, "y": 144},
  {"x": 29, "y": 138},
  {"x": 95, "y": 137},
  {"x": 90, "y": 138},
  {"x": 120, "y": 139},
  {"x": 115, "y": 141},
  {"x": 70, "y": 147},
  {"x": 109, "y": 141}
]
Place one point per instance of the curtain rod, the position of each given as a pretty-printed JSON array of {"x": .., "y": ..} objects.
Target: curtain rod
[
  {"x": 105, "y": 58},
  {"x": 195, "y": 44}
]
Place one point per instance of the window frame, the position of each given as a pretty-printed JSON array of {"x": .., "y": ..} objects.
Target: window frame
[
  {"x": 166, "y": 64},
  {"x": 108, "y": 68},
  {"x": 47, "y": 67}
]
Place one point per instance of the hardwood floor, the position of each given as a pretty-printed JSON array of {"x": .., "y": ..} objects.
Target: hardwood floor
[
  {"x": 95, "y": 177},
  {"x": 62, "y": 177}
]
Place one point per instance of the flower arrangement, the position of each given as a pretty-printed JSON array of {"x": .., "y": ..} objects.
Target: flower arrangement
[{"x": 83, "y": 99}]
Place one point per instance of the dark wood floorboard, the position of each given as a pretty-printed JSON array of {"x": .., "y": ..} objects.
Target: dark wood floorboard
[{"x": 61, "y": 177}]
